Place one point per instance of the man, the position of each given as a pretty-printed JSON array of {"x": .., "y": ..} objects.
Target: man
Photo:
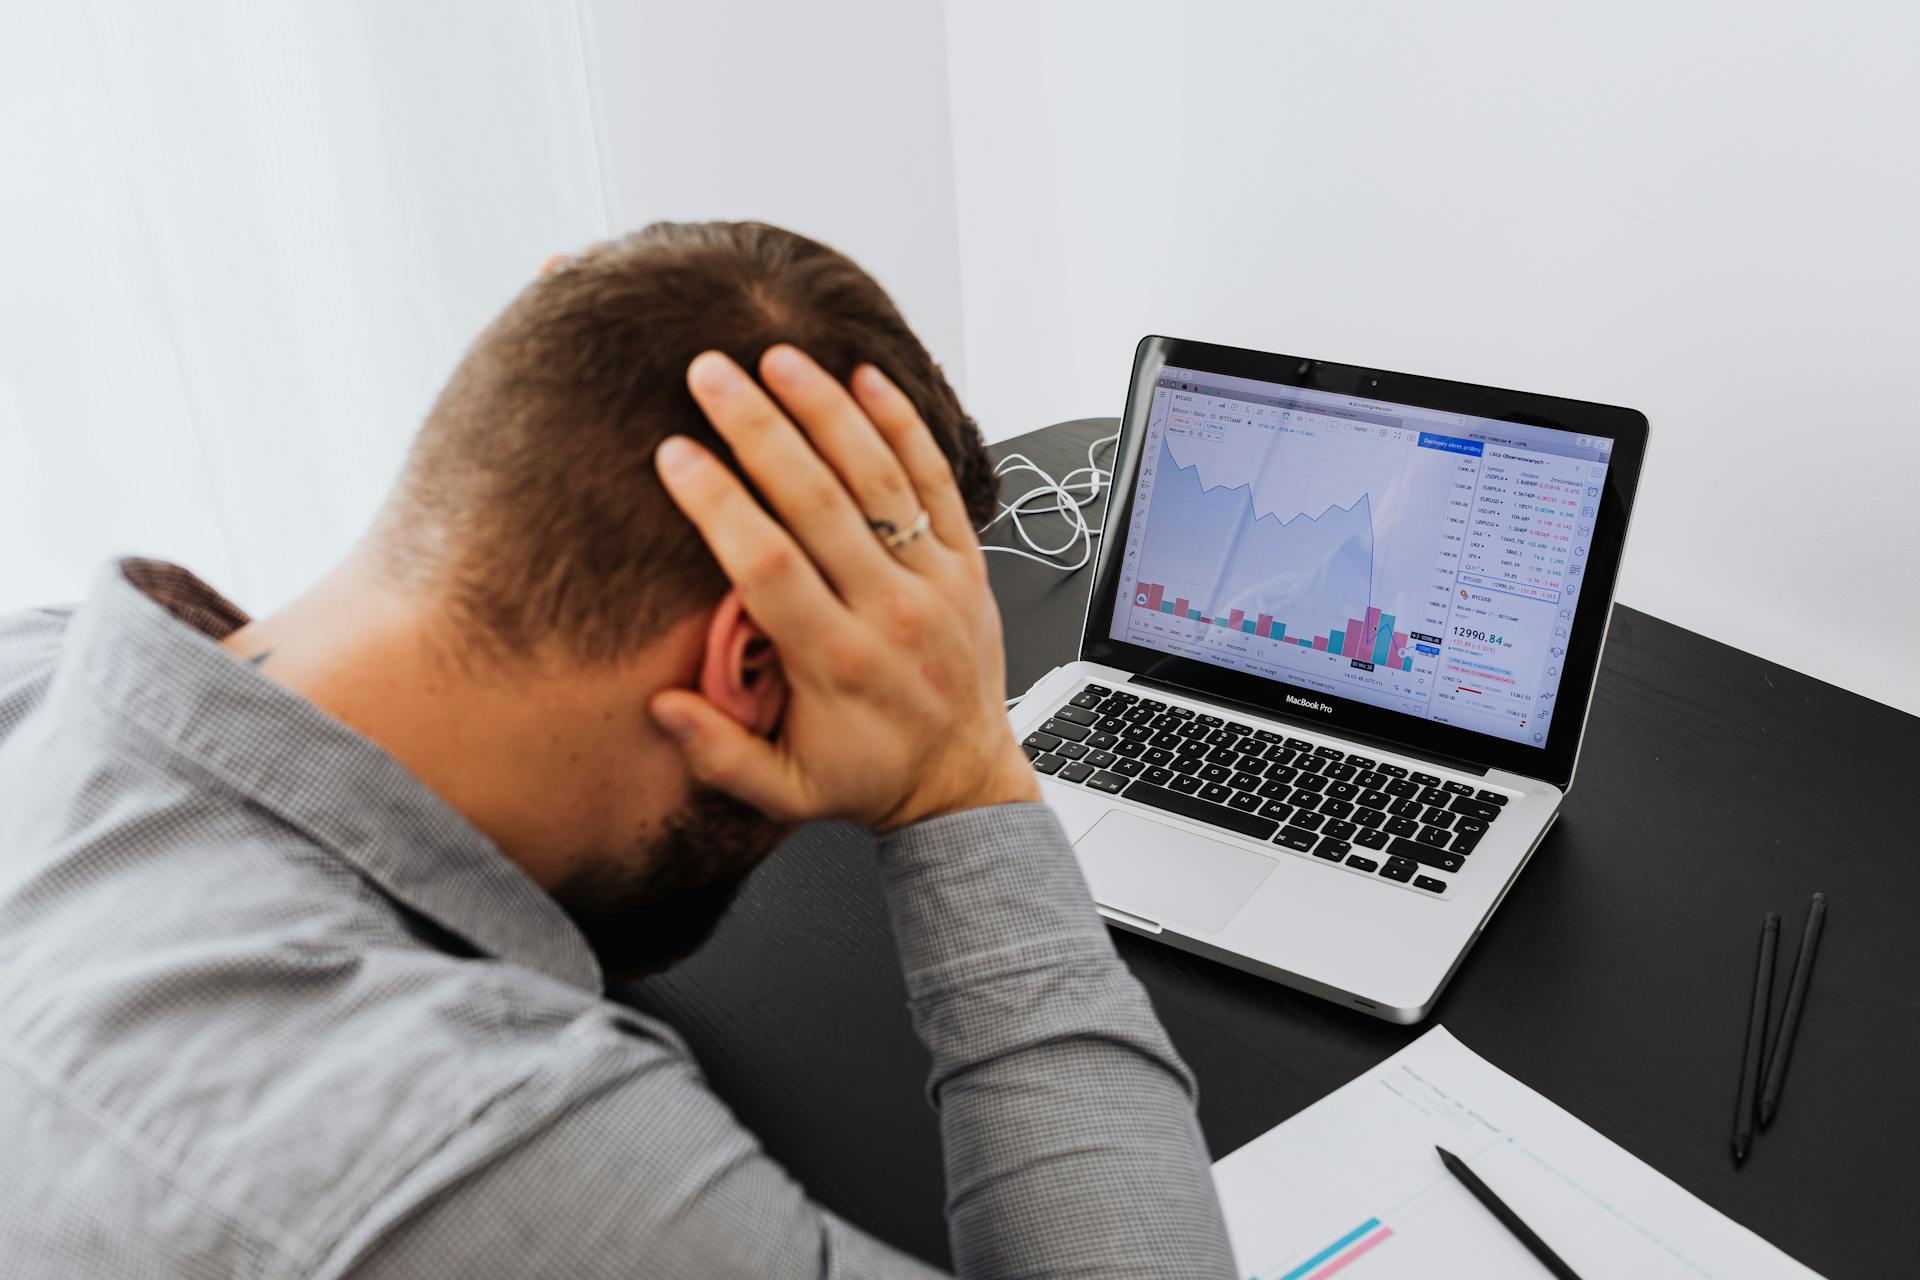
[{"x": 304, "y": 920}]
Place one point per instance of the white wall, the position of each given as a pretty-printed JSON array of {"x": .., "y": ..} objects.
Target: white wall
[
  {"x": 1703, "y": 211},
  {"x": 246, "y": 243}
]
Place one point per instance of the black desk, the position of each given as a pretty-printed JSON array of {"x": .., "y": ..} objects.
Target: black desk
[{"x": 1615, "y": 980}]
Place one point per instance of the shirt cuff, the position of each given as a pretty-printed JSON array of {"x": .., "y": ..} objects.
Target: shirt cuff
[{"x": 984, "y": 890}]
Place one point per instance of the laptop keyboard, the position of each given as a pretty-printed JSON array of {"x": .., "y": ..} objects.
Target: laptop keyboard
[{"x": 1369, "y": 816}]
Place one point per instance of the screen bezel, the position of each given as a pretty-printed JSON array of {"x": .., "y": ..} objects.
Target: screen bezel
[{"x": 1552, "y": 761}]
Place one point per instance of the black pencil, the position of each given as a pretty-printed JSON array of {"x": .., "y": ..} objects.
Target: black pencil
[
  {"x": 1508, "y": 1218},
  {"x": 1790, "y": 1020},
  {"x": 1756, "y": 1037}
]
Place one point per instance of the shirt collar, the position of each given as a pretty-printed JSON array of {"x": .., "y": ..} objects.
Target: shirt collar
[{"x": 145, "y": 648}]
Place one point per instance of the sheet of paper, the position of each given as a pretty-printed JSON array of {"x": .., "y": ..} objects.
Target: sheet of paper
[{"x": 1352, "y": 1187}]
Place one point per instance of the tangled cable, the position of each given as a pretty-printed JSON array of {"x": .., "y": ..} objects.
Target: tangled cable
[{"x": 1079, "y": 532}]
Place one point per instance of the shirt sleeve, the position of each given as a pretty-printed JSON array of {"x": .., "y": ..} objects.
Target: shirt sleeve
[{"x": 1067, "y": 1118}]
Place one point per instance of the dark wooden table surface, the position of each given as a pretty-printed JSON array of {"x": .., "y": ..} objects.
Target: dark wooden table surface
[{"x": 1714, "y": 787}]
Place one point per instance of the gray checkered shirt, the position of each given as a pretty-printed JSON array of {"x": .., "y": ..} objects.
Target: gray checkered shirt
[{"x": 269, "y": 1008}]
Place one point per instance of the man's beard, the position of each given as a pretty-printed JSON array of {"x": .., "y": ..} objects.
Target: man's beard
[{"x": 656, "y": 904}]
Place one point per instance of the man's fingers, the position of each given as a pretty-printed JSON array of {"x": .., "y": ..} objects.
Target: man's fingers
[
  {"x": 839, "y": 429},
  {"x": 721, "y": 753},
  {"x": 804, "y": 490},
  {"x": 777, "y": 583},
  {"x": 899, "y": 423}
]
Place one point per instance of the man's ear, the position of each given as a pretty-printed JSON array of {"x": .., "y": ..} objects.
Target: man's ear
[
  {"x": 552, "y": 264},
  {"x": 740, "y": 673}
]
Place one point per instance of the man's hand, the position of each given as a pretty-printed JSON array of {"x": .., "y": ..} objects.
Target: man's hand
[{"x": 892, "y": 658}]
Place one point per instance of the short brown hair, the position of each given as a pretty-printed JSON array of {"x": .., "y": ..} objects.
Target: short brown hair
[{"x": 529, "y": 495}]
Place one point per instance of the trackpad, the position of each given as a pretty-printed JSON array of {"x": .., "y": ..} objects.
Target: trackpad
[{"x": 1166, "y": 874}]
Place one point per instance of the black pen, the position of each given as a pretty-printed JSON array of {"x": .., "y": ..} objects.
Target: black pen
[
  {"x": 1508, "y": 1218},
  {"x": 1790, "y": 1020},
  {"x": 1756, "y": 1037}
]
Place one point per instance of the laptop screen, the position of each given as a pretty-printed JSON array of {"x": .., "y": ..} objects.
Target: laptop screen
[{"x": 1425, "y": 562}]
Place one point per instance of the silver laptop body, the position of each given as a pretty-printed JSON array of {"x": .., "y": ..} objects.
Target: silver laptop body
[{"x": 1327, "y": 776}]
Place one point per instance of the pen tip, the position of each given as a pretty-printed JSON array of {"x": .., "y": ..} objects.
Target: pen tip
[
  {"x": 1739, "y": 1151},
  {"x": 1766, "y": 1114}
]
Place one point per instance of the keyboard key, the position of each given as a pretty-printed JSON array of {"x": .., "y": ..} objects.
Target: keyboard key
[
  {"x": 1295, "y": 838},
  {"x": 1044, "y": 741},
  {"x": 1220, "y": 755},
  {"x": 1190, "y": 747},
  {"x": 1491, "y": 797},
  {"x": 1434, "y": 796},
  {"x": 1274, "y": 789},
  {"x": 1465, "y": 842},
  {"x": 1088, "y": 700},
  {"x": 1153, "y": 704},
  {"x": 1157, "y": 755},
  {"x": 1215, "y": 773},
  {"x": 1458, "y": 788},
  {"x": 1266, "y": 735},
  {"x": 1342, "y": 790},
  {"x": 1370, "y": 778},
  {"x": 1406, "y": 808},
  {"x": 1341, "y": 772},
  {"x": 1244, "y": 781},
  {"x": 1425, "y": 779},
  {"x": 1373, "y": 798},
  {"x": 1111, "y": 724},
  {"x": 1278, "y": 810},
  {"x": 1253, "y": 765},
  {"x": 1371, "y": 839},
  {"x": 1306, "y": 799},
  {"x": 1211, "y": 721},
  {"x": 1186, "y": 764},
  {"x": 1392, "y": 770},
  {"x": 1361, "y": 761},
  {"x": 1336, "y": 808},
  {"x": 1368, "y": 817},
  {"x": 1331, "y": 753},
  {"x": 1078, "y": 771},
  {"x": 1402, "y": 787},
  {"x": 1101, "y": 741},
  {"x": 1246, "y": 824},
  {"x": 1221, "y": 738},
  {"x": 1245, "y": 801},
  {"x": 1437, "y": 818},
  {"x": 1339, "y": 830},
  {"x": 1101, "y": 759},
  {"x": 1332, "y": 850},
  {"x": 1131, "y": 750},
  {"x": 1359, "y": 863},
  {"x": 1282, "y": 773},
  {"x": 1065, "y": 729},
  {"x": 1237, "y": 727},
  {"x": 1186, "y": 784},
  {"x": 1309, "y": 763},
  {"x": 1077, "y": 715},
  {"x": 1184, "y": 713},
  {"x": 1469, "y": 826},
  {"x": 1430, "y": 884},
  {"x": 1128, "y": 768},
  {"x": 1402, "y": 827},
  {"x": 1474, "y": 809},
  {"x": 1413, "y": 851},
  {"x": 1397, "y": 871},
  {"x": 1215, "y": 792},
  {"x": 1159, "y": 775},
  {"x": 1299, "y": 744},
  {"x": 1308, "y": 821},
  {"x": 1312, "y": 782},
  {"x": 1049, "y": 764},
  {"x": 1435, "y": 837},
  {"x": 1107, "y": 781},
  {"x": 1033, "y": 753},
  {"x": 1071, "y": 750},
  {"x": 1138, "y": 733}
]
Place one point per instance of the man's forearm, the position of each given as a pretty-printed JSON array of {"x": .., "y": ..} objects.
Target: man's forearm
[{"x": 1067, "y": 1116}]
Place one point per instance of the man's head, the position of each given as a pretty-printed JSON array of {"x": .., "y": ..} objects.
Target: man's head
[{"x": 530, "y": 525}]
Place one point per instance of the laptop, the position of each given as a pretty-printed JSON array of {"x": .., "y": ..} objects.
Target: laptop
[{"x": 1337, "y": 660}]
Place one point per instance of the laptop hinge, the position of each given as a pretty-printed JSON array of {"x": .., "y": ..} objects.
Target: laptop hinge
[{"x": 1266, "y": 713}]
